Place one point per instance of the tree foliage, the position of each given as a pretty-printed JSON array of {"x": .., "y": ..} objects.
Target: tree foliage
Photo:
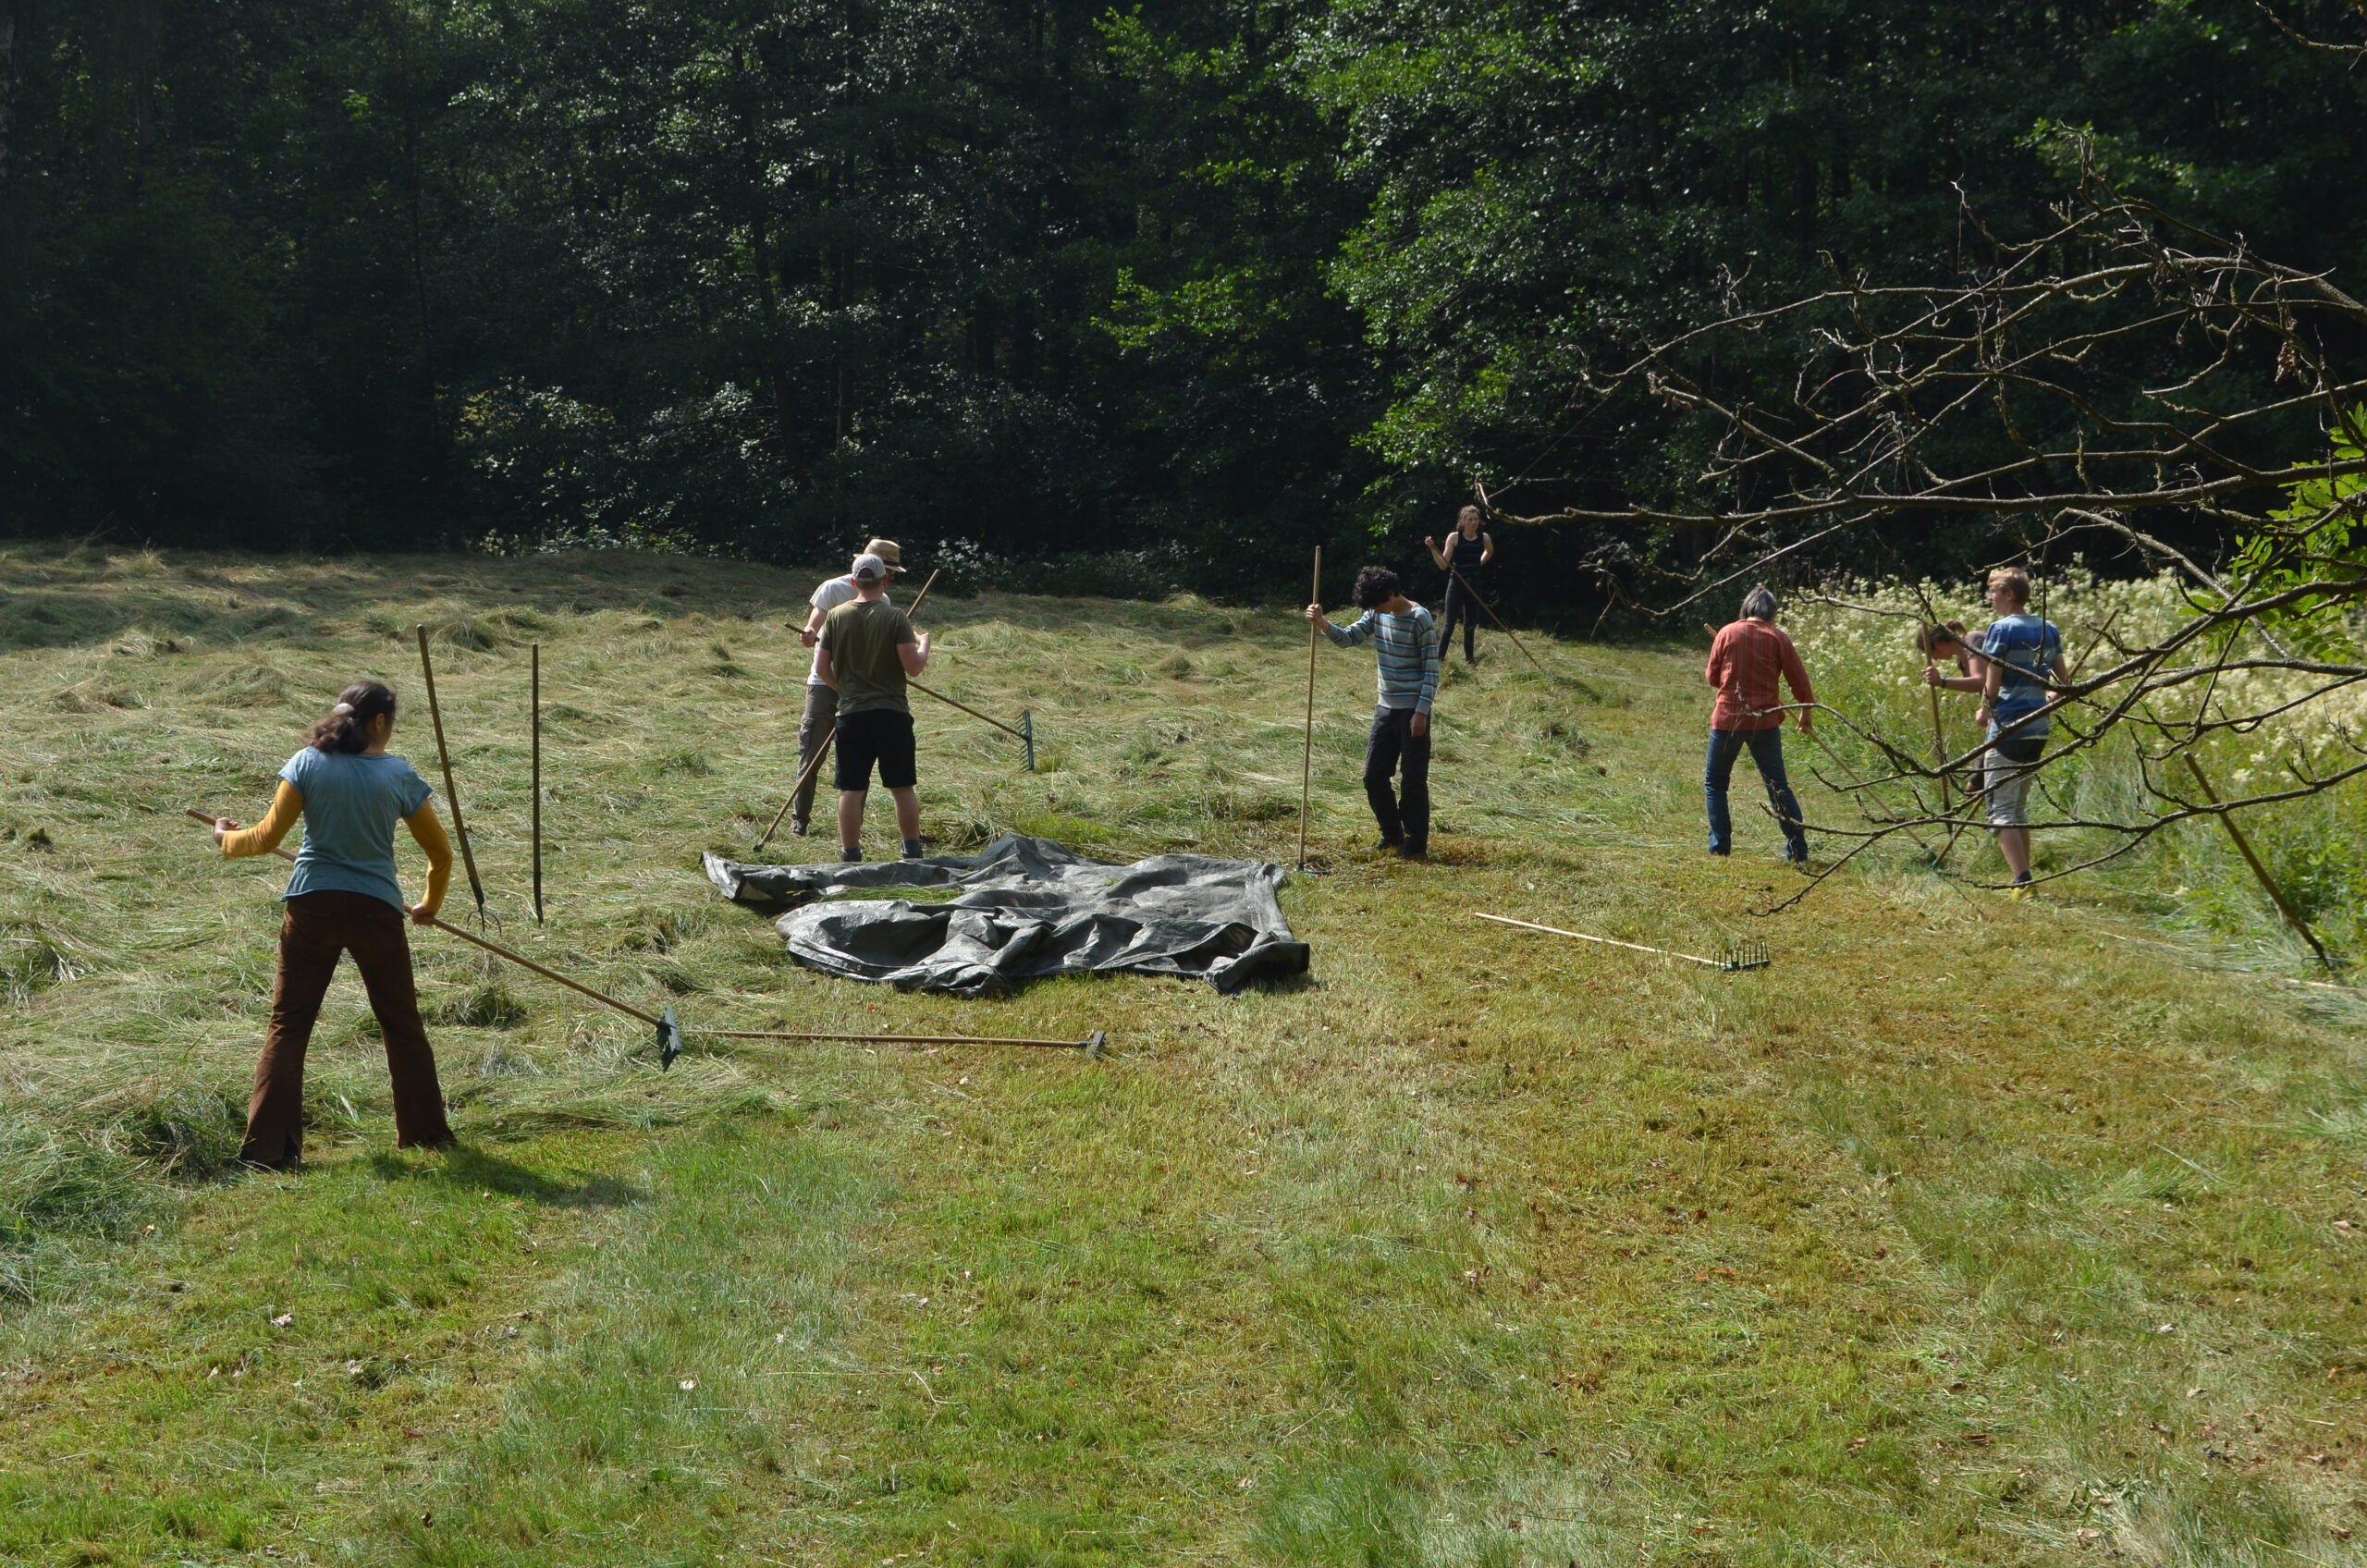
[{"x": 1217, "y": 279}]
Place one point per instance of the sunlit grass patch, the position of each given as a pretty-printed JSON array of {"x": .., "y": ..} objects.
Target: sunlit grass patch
[{"x": 1472, "y": 1246}]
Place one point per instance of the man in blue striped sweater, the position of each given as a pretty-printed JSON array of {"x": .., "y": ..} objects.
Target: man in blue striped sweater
[{"x": 1406, "y": 642}]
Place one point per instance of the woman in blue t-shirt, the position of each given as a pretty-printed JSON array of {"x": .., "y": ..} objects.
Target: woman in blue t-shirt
[{"x": 344, "y": 897}]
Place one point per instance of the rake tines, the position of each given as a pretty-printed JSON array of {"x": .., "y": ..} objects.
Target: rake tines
[{"x": 1747, "y": 955}]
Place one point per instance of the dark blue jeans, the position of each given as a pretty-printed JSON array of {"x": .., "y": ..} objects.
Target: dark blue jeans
[{"x": 1767, "y": 756}]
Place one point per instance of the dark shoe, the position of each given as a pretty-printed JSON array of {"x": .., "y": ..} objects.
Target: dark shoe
[
  {"x": 1413, "y": 852},
  {"x": 1722, "y": 854},
  {"x": 1385, "y": 846},
  {"x": 799, "y": 827}
]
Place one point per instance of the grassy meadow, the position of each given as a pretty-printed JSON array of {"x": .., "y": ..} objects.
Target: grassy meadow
[{"x": 1970, "y": 1231}]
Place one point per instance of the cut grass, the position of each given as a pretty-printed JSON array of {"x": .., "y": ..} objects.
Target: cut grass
[{"x": 1966, "y": 1232}]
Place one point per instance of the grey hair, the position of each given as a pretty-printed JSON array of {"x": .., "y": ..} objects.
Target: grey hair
[{"x": 1759, "y": 605}]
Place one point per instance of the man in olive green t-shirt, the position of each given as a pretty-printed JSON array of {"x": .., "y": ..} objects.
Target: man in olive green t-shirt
[{"x": 865, "y": 652}]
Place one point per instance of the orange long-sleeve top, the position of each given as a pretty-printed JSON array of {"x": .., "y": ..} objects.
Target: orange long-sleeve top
[
  {"x": 287, "y": 806},
  {"x": 1745, "y": 658}
]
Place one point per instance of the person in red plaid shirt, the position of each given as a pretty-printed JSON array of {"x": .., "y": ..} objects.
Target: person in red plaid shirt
[{"x": 1746, "y": 660}]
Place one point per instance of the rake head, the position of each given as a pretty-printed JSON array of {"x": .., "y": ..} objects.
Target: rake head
[
  {"x": 1749, "y": 955},
  {"x": 669, "y": 1039},
  {"x": 1096, "y": 1044}
]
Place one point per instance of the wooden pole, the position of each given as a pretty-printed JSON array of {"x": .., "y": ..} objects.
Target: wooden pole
[
  {"x": 795, "y": 790},
  {"x": 888, "y": 1039},
  {"x": 519, "y": 959},
  {"x": 966, "y": 707},
  {"x": 916, "y": 606},
  {"x": 535, "y": 701},
  {"x": 1606, "y": 941},
  {"x": 2244, "y": 848},
  {"x": 1306, "y": 755},
  {"x": 1939, "y": 741},
  {"x": 1092, "y": 1045},
  {"x": 1491, "y": 616},
  {"x": 814, "y": 764},
  {"x": 451, "y": 792}
]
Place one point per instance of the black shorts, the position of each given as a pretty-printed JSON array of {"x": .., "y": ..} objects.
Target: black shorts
[{"x": 881, "y": 736}]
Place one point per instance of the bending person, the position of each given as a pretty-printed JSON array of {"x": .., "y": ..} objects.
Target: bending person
[
  {"x": 1747, "y": 659},
  {"x": 344, "y": 897},
  {"x": 866, "y": 649},
  {"x": 1464, "y": 561},
  {"x": 1945, "y": 642},
  {"x": 821, "y": 702},
  {"x": 1406, "y": 647}
]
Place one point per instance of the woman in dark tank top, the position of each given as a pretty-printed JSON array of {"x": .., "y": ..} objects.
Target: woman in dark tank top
[{"x": 1468, "y": 551}]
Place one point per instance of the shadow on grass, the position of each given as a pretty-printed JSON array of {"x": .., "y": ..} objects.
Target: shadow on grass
[{"x": 466, "y": 1166}]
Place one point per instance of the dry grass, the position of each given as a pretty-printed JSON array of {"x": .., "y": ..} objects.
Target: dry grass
[{"x": 1474, "y": 1248}]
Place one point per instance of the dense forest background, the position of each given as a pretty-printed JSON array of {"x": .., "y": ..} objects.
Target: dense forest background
[{"x": 1187, "y": 284}]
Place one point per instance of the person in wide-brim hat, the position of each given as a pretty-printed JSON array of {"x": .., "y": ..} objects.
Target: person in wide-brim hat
[{"x": 885, "y": 550}]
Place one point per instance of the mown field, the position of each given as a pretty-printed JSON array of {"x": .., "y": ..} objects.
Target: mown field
[{"x": 1970, "y": 1231}]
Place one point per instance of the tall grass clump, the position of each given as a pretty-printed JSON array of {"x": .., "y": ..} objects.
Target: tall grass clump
[{"x": 54, "y": 1188}]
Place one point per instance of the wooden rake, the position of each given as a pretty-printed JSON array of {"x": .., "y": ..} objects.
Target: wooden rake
[
  {"x": 1746, "y": 955},
  {"x": 1473, "y": 593},
  {"x": 670, "y": 1028}
]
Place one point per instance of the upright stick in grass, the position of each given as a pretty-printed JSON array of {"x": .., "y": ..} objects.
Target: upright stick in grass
[
  {"x": 534, "y": 703},
  {"x": 451, "y": 793},
  {"x": 823, "y": 750},
  {"x": 1306, "y": 756}
]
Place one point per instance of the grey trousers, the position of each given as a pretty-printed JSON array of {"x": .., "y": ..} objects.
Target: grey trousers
[{"x": 821, "y": 721}]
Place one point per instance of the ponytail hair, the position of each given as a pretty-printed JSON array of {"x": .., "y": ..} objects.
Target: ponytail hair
[
  {"x": 347, "y": 727},
  {"x": 1932, "y": 636}
]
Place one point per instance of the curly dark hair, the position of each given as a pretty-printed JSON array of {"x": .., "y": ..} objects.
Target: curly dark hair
[{"x": 1375, "y": 585}]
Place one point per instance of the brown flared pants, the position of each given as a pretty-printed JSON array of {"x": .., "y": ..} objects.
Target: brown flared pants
[{"x": 318, "y": 928}]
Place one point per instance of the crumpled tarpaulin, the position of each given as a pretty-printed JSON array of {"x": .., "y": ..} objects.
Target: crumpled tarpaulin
[{"x": 1030, "y": 908}]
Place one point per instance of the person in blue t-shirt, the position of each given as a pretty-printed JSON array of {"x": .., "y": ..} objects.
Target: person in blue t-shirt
[
  {"x": 343, "y": 897},
  {"x": 2018, "y": 663}
]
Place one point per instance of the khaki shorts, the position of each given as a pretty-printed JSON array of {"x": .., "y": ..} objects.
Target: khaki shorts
[{"x": 2006, "y": 776}]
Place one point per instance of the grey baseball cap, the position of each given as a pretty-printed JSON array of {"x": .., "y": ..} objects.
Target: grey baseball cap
[{"x": 869, "y": 568}]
